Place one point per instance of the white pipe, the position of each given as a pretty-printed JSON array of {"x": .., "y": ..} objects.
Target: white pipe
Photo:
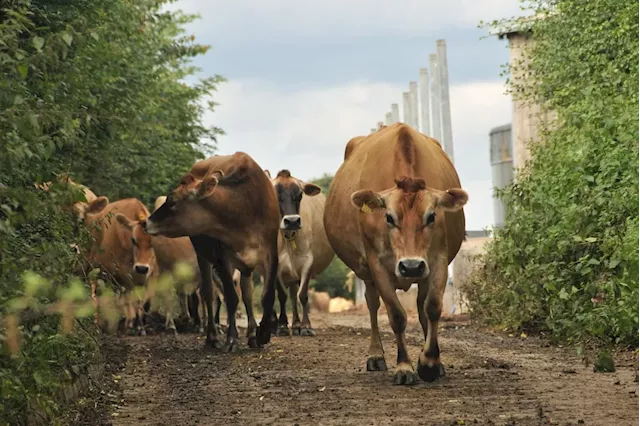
[
  {"x": 406, "y": 108},
  {"x": 436, "y": 131},
  {"x": 447, "y": 136},
  {"x": 425, "y": 125},
  {"x": 395, "y": 113}
]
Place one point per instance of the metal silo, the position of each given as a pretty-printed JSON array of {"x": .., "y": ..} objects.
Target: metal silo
[{"x": 501, "y": 167}]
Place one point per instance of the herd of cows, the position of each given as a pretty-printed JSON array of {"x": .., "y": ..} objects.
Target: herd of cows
[{"x": 393, "y": 215}]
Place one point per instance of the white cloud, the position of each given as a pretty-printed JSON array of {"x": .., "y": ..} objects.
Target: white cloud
[
  {"x": 287, "y": 20},
  {"x": 306, "y": 131}
]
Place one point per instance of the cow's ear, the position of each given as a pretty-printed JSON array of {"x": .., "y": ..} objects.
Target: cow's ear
[
  {"x": 206, "y": 187},
  {"x": 97, "y": 205},
  {"x": 124, "y": 221},
  {"x": 311, "y": 189},
  {"x": 187, "y": 179},
  {"x": 453, "y": 199},
  {"x": 366, "y": 200}
]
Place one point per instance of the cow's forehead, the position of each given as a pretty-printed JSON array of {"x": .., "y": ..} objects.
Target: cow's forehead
[{"x": 407, "y": 202}]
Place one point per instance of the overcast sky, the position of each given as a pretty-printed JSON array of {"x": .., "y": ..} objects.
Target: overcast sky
[{"x": 306, "y": 76}]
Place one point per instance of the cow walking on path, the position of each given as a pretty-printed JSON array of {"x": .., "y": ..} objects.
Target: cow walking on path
[
  {"x": 303, "y": 248},
  {"x": 228, "y": 208},
  {"x": 394, "y": 216}
]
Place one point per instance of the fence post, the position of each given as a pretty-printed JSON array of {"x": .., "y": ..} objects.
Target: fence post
[
  {"x": 395, "y": 113},
  {"x": 388, "y": 119},
  {"x": 425, "y": 126},
  {"x": 406, "y": 108},
  {"x": 436, "y": 131},
  {"x": 413, "y": 104},
  {"x": 447, "y": 137}
]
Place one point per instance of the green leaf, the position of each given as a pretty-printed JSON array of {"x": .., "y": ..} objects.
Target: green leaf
[
  {"x": 591, "y": 239},
  {"x": 94, "y": 35},
  {"x": 613, "y": 263},
  {"x": 68, "y": 38},
  {"x": 37, "y": 42},
  {"x": 23, "y": 69},
  {"x": 563, "y": 295}
]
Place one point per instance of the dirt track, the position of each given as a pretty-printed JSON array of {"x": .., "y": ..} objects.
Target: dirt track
[{"x": 491, "y": 379}]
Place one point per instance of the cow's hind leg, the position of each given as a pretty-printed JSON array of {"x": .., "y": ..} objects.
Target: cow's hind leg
[
  {"x": 283, "y": 321},
  {"x": 429, "y": 366},
  {"x": 375, "y": 360}
]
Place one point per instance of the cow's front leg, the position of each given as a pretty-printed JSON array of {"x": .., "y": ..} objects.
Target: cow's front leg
[
  {"x": 295, "y": 317},
  {"x": 385, "y": 283},
  {"x": 231, "y": 301},
  {"x": 429, "y": 366},
  {"x": 246, "y": 288},
  {"x": 375, "y": 360},
  {"x": 303, "y": 295},
  {"x": 283, "y": 321}
]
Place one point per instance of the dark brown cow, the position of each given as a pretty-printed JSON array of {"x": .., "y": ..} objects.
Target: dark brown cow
[
  {"x": 228, "y": 208},
  {"x": 394, "y": 216}
]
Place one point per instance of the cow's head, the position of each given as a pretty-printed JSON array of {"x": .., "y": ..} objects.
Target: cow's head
[
  {"x": 144, "y": 257},
  {"x": 409, "y": 219},
  {"x": 186, "y": 210},
  {"x": 290, "y": 191}
]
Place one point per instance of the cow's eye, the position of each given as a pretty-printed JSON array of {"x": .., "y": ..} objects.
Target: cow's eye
[
  {"x": 391, "y": 222},
  {"x": 133, "y": 241},
  {"x": 430, "y": 218}
]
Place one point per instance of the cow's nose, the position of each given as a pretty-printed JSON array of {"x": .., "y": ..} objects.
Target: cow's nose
[
  {"x": 291, "y": 222},
  {"x": 412, "y": 268},
  {"x": 142, "y": 269}
]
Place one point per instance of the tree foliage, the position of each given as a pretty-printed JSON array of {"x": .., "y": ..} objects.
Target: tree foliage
[
  {"x": 566, "y": 261},
  {"x": 101, "y": 90}
]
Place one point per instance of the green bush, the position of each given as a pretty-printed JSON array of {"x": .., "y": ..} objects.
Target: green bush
[
  {"x": 566, "y": 261},
  {"x": 95, "y": 89}
]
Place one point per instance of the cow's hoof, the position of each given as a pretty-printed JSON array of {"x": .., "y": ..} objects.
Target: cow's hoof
[
  {"x": 430, "y": 373},
  {"x": 263, "y": 334},
  {"x": 283, "y": 330},
  {"x": 213, "y": 344},
  {"x": 405, "y": 377},
  {"x": 142, "y": 332},
  {"x": 376, "y": 363},
  {"x": 295, "y": 330},
  {"x": 231, "y": 346},
  {"x": 307, "y": 331},
  {"x": 220, "y": 330},
  {"x": 252, "y": 342}
]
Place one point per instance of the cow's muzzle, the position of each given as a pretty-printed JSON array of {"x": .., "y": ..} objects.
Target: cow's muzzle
[
  {"x": 412, "y": 267},
  {"x": 291, "y": 222}
]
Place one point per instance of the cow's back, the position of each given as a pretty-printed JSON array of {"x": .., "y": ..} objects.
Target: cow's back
[{"x": 379, "y": 159}]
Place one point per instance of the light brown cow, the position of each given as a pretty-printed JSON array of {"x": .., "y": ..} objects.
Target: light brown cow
[
  {"x": 394, "y": 216},
  {"x": 123, "y": 249},
  {"x": 303, "y": 248},
  {"x": 228, "y": 208}
]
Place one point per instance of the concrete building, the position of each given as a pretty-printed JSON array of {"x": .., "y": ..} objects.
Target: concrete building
[{"x": 526, "y": 116}]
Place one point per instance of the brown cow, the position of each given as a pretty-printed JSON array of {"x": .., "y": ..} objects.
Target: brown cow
[
  {"x": 303, "y": 248},
  {"x": 123, "y": 249},
  {"x": 228, "y": 208},
  {"x": 169, "y": 251},
  {"x": 394, "y": 216}
]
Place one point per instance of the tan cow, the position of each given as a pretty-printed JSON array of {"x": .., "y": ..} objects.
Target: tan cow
[
  {"x": 228, "y": 208},
  {"x": 303, "y": 248},
  {"x": 394, "y": 216},
  {"x": 123, "y": 249}
]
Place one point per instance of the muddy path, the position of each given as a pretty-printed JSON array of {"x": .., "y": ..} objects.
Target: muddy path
[{"x": 492, "y": 378}]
